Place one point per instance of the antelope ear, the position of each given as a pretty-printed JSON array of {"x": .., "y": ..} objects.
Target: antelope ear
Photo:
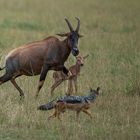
[
  {"x": 81, "y": 36},
  {"x": 63, "y": 35}
]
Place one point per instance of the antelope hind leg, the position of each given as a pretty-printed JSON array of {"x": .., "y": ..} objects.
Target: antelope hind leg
[{"x": 17, "y": 87}]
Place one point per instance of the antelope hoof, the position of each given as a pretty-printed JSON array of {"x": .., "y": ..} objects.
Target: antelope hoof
[{"x": 22, "y": 96}]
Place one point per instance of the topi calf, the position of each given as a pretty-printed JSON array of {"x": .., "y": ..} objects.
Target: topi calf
[{"x": 59, "y": 76}]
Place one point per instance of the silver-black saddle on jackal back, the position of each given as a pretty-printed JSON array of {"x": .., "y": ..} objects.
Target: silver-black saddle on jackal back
[{"x": 72, "y": 99}]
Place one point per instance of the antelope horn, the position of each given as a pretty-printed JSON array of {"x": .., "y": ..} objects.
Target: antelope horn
[
  {"x": 69, "y": 25},
  {"x": 78, "y": 24}
]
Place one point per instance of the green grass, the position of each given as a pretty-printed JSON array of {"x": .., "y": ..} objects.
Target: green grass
[{"x": 111, "y": 37}]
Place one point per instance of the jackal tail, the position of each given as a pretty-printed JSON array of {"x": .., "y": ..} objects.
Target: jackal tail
[{"x": 47, "y": 106}]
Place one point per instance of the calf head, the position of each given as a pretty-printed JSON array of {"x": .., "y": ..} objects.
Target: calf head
[
  {"x": 72, "y": 37},
  {"x": 80, "y": 59}
]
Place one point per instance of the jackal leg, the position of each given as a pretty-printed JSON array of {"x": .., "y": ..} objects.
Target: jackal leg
[
  {"x": 53, "y": 115},
  {"x": 77, "y": 114},
  {"x": 87, "y": 112}
]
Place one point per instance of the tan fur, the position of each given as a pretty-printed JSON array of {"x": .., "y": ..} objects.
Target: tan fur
[{"x": 61, "y": 107}]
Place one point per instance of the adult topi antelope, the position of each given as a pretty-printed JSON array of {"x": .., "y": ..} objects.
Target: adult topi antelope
[{"x": 41, "y": 56}]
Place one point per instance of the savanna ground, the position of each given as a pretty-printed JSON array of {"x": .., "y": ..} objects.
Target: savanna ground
[{"x": 111, "y": 30}]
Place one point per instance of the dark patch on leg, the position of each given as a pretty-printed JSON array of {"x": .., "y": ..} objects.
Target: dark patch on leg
[{"x": 65, "y": 70}]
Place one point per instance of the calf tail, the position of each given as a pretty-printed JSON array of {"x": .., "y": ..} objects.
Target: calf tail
[{"x": 47, "y": 106}]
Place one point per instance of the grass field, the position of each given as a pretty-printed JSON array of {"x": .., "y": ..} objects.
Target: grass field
[{"x": 111, "y": 30}]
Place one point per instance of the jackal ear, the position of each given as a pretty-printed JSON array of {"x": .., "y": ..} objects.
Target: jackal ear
[
  {"x": 91, "y": 89},
  {"x": 63, "y": 35},
  {"x": 98, "y": 88}
]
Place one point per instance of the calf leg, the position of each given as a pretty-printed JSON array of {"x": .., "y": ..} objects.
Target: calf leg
[
  {"x": 55, "y": 85},
  {"x": 17, "y": 87},
  {"x": 70, "y": 87},
  {"x": 75, "y": 84},
  {"x": 42, "y": 78}
]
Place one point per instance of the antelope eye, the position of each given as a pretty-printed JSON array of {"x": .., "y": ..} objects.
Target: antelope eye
[{"x": 72, "y": 38}]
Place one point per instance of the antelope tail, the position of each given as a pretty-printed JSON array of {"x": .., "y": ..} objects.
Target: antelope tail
[
  {"x": 47, "y": 106},
  {"x": 2, "y": 68}
]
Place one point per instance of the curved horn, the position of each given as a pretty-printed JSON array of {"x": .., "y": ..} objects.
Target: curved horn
[
  {"x": 78, "y": 24},
  {"x": 70, "y": 27}
]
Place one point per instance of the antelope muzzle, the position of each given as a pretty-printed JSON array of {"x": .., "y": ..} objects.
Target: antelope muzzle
[{"x": 75, "y": 51}]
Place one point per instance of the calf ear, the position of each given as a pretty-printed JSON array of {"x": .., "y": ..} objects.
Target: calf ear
[
  {"x": 86, "y": 56},
  {"x": 63, "y": 35}
]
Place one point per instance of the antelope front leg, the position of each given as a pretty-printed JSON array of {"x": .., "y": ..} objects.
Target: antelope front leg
[
  {"x": 42, "y": 78},
  {"x": 65, "y": 70}
]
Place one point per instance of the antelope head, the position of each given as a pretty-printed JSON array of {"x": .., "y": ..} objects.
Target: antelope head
[{"x": 72, "y": 36}]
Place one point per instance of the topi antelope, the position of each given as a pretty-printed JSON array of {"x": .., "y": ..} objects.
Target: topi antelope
[
  {"x": 59, "y": 76},
  {"x": 37, "y": 58}
]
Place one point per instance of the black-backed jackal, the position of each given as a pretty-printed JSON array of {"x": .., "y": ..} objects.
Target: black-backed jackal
[{"x": 75, "y": 103}]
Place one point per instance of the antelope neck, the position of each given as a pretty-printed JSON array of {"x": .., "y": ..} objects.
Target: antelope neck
[{"x": 67, "y": 44}]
